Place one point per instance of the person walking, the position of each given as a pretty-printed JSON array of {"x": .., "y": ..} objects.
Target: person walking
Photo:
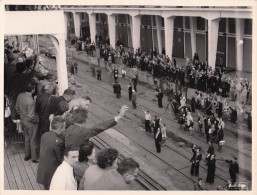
[
  {"x": 195, "y": 160},
  {"x": 147, "y": 121},
  {"x": 130, "y": 91},
  {"x": 211, "y": 169},
  {"x": 117, "y": 89},
  {"x": 134, "y": 99},
  {"x": 233, "y": 169},
  {"x": 98, "y": 72}
]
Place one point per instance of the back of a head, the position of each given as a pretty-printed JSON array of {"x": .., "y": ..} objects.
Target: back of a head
[
  {"x": 80, "y": 115},
  {"x": 106, "y": 157},
  {"x": 20, "y": 67},
  {"x": 63, "y": 106},
  {"x": 30, "y": 87},
  {"x": 48, "y": 88},
  {"x": 57, "y": 122},
  {"x": 127, "y": 165},
  {"x": 85, "y": 151}
]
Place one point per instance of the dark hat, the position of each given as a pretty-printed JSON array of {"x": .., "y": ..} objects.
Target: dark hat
[
  {"x": 69, "y": 92},
  {"x": 199, "y": 178}
]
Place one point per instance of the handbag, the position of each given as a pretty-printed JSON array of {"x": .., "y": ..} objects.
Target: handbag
[{"x": 7, "y": 110}]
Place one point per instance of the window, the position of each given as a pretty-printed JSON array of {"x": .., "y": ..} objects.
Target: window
[
  {"x": 187, "y": 21},
  {"x": 200, "y": 23},
  {"x": 231, "y": 25},
  {"x": 248, "y": 26},
  {"x": 178, "y": 22},
  {"x": 222, "y": 25}
]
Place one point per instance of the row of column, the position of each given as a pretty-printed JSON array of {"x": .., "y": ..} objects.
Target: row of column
[{"x": 213, "y": 29}]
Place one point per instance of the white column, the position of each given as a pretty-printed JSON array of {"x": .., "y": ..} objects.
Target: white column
[
  {"x": 77, "y": 21},
  {"x": 66, "y": 24},
  {"x": 169, "y": 31},
  {"x": 159, "y": 34},
  {"x": 20, "y": 42},
  {"x": 240, "y": 25},
  {"x": 36, "y": 43},
  {"x": 136, "y": 22},
  {"x": 92, "y": 24},
  {"x": 112, "y": 30},
  {"x": 193, "y": 34},
  {"x": 213, "y": 29},
  {"x": 59, "y": 44}
]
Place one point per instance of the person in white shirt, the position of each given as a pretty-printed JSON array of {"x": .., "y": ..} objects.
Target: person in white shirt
[
  {"x": 147, "y": 121},
  {"x": 64, "y": 178}
]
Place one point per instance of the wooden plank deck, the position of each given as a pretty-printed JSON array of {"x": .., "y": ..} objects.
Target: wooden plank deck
[{"x": 19, "y": 174}]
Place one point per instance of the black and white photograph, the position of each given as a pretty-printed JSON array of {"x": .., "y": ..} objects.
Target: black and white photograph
[{"x": 128, "y": 97}]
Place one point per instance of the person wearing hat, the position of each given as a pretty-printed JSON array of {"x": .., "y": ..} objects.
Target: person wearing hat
[
  {"x": 233, "y": 169},
  {"x": 198, "y": 186}
]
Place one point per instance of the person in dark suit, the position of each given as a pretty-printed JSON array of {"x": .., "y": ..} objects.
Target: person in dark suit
[
  {"x": 51, "y": 151},
  {"x": 210, "y": 150},
  {"x": 160, "y": 96},
  {"x": 158, "y": 139},
  {"x": 25, "y": 107},
  {"x": 130, "y": 91},
  {"x": 135, "y": 79},
  {"x": 78, "y": 134},
  {"x": 195, "y": 160},
  {"x": 98, "y": 72},
  {"x": 52, "y": 107},
  {"x": 42, "y": 101},
  {"x": 211, "y": 169},
  {"x": 117, "y": 89},
  {"x": 233, "y": 169}
]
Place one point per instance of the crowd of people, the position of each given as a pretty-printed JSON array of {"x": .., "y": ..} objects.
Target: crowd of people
[
  {"x": 55, "y": 132},
  {"x": 54, "y": 126}
]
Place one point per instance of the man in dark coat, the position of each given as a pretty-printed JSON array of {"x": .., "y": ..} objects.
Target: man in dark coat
[
  {"x": 51, "y": 152},
  {"x": 160, "y": 96},
  {"x": 78, "y": 134},
  {"x": 117, "y": 89},
  {"x": 52, "y": 107},
  {"x": 233, "y": 169},
  {"x": 130, "y": 91},
  {"x": 98, "y": 72},
  {"x": 211, "y": 169},
  {"x": 135, "y": 83}
]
